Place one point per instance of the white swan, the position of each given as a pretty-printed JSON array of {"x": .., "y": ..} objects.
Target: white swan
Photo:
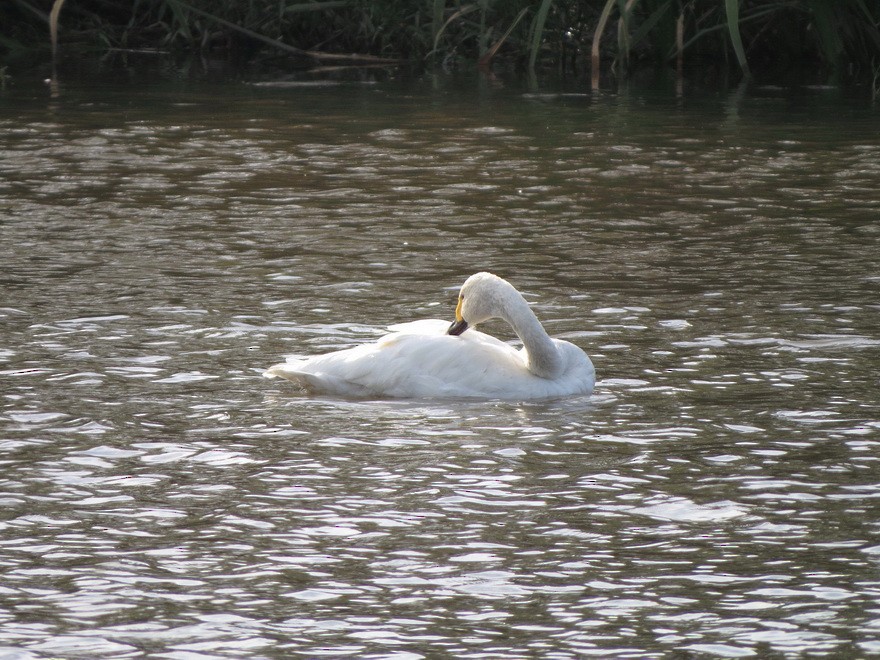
[{"x": 431, "y": 359}]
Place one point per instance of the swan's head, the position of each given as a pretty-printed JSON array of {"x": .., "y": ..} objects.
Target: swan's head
[{"x": 482, "y": 297}]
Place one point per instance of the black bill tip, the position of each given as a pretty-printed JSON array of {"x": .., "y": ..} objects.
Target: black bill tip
[{"x": 457, "y": 327}]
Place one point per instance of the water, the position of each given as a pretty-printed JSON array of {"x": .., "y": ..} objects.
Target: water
[{"x": 716, "y": 255}]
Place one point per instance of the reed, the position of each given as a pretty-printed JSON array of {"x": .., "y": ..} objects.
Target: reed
[
  {"x": 875, "y": 84},
  {"x": 53, "y": 26},
  {"x": 731, "y": 8},
  {"x": 841, "y": 35},
  {"x": 536, "y": 36},
  {"x": 486, "y": 57}
]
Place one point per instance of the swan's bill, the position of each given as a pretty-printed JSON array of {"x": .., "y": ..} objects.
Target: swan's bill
[{"x": 457, "y": 327}]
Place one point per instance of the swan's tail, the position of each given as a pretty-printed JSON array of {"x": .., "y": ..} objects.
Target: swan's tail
[
  {"x": 315, "y": 383},
  {"x": 290, "y": 371},
  {"x": 276, "y": 371}
]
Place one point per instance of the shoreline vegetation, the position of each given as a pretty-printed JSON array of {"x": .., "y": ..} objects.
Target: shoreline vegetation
[{"x": 840, "y": 38}]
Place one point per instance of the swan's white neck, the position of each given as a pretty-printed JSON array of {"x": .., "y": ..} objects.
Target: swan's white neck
[
  {"x": 484, "y": 296},
  {"x": 543, "y": 357}
]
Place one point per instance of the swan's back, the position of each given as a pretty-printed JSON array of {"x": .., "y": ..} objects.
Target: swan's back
[
  {"x": 431, "y": 359},
  {"x": 420, "y": 361}
]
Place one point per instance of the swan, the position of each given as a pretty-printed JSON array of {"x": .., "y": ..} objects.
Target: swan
[{"x": 432, "y": 359}]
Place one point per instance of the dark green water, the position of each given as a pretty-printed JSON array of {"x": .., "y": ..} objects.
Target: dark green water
[{"x": 715, "y": 253}]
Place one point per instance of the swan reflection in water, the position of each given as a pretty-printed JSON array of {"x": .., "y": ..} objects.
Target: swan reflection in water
[{"x": 432, "y": 359}]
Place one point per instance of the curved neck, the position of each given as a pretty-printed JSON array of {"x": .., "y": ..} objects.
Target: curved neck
[{"x": 543, "y": 357}]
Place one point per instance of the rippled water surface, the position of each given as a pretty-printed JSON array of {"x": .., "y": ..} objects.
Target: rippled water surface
[{"x": 716, "y": 255}]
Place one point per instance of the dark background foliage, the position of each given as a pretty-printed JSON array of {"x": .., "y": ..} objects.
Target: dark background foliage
[{"x": 837, "y": 35}]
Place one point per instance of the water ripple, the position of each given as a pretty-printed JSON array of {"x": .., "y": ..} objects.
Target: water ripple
[{"x": 714, "y": 497}]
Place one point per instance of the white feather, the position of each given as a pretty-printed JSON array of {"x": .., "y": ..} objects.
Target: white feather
[{"x": 419, "y": 360}]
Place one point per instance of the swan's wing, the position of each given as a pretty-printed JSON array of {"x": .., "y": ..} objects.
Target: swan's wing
[
  {"x": 412, "y": 364},
  {"x": 341, "y": 372},
  {"x": 432, "y": 327},
  {"x": 421, "y": 361},
  {"x": 444, "y": 366},
  {"x": 421, "y": 327}
]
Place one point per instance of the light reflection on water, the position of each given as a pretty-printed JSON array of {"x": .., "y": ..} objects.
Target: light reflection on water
[{"x": 715, "y": 496}]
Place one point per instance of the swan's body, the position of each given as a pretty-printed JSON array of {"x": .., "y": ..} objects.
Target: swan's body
[{"x": 430, "y": 359}]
